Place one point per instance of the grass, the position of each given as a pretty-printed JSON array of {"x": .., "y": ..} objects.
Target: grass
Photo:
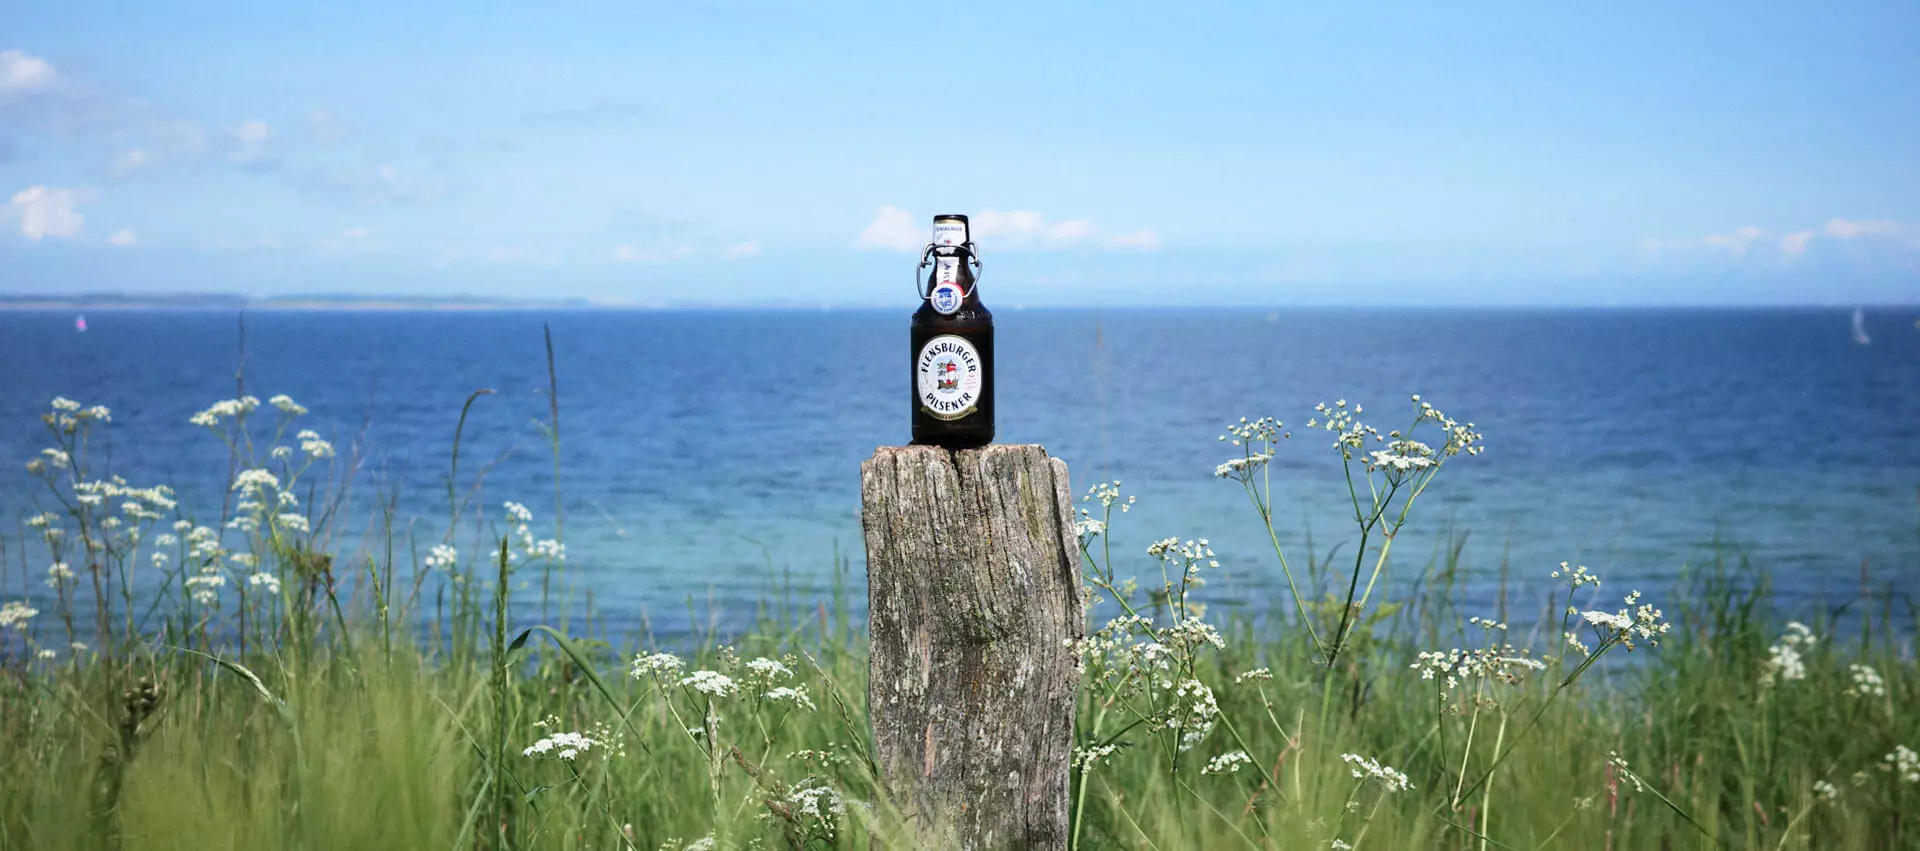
[{"x": 361, "y": 701}]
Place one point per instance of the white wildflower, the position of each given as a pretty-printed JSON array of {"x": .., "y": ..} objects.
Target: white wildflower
[
  {"x": 1576, "y": 576},
  {"x": 1619, "y": 764},
  {"x": 57, "y": 573},
  {"x": 250, "y": 481},
  {"x": 1866, "y": 682},
  {"x": 1365, "y": 769},
  {"x": 1826, "y": 791},
  {"x": 1086, "y": 758},
  {"x": 561, "y": 746},
  {"x": 1108, "y": 495},
  {"x": 796, "y": 696},
  {"x": 62, "y": 403},
  {"x": 819, "y": 802},
  {"x": 286, "y": 404},
  {"x": 206, "y": 585},
  {"x": 443, "y": 555},
  {"x": 1227, "y": 763},
  {"x": 770, "y": 669},
  {"x": 16, "y": 613},
  {"x": 711, "y": 683},
  {"x": 282, "y": 453},
  {"x": 46, "y": 653},
  {"x": 1784, "y": 662},
  {"x": 1261, "y": 674},
  {"x": 313, "y": 446},
  {"x": 656, "y": 665},
  {"x": 292, "y": 523},
  {"x": 265, "y": 580},
  {"x": 225, "y": 409},
  {"x": 519, "y": 512},
  {"x": 1904, "y": 763}
]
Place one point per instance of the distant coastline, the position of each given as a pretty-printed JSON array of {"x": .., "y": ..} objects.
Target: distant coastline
[{"x": 220, "y": 301}]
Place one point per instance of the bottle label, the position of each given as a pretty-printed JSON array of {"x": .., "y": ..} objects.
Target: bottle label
[
  {"x": 949, "y": 233},
  {"x": 950, "y": 373},
  {"x": 946, "y": 295}
]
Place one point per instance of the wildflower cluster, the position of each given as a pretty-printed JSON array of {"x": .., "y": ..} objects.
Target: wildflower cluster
[
  {"x": 529, "y": 548},
  {"x": 1504, "y": 664},
  {"x": 15, "y": 614},
  {"x": 1636, "y": 620},
  {"x": 226, "y": 409},
  {"x": 561, "y": 746},
  {"x": 1619, "y": 766},
  {"x": 1866, "y": 682},
  {"x": 1365, "y": 769},
  {"x": 1107, "y": 494},
  {"x": 1227, "y": 763},
  {"x": 1784, "y": 662},
  {"x": 1256, "y": 439},
  {"x": 1904, "y": 763}
]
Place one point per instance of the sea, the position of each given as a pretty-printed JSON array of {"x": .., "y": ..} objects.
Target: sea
[{"x": 709, "y": 461}]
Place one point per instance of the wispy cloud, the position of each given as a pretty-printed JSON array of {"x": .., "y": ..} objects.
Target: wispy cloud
[
  {"x": 1793, "y": 244},
  {"x": 374, "y": 186},
  {"x": 126, "y": 162},
  {"x": 122, "y": 239},
  {"x": 358, "y": 240},
  {"x": 605, "y": 111},
  {"x": 43, "y": 211},
  {"x": 744, "y": 249},
  {"x": 896, "y": 229},
  {"x": 658, "y": 252},
  {"x": 21, "y": 73},
  {"x": 893, "y": 228}
]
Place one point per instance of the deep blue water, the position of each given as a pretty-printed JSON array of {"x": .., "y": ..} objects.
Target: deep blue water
[{"x": 703, "y": 451}]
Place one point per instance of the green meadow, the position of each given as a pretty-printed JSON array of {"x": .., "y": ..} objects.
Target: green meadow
[{"x": 276, "y": 689}]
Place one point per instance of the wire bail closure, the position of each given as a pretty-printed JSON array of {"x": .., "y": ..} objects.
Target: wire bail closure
[{"x": 968, "y": 256}]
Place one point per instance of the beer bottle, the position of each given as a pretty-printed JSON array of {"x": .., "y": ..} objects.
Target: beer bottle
[{"x": 951, "y": 344}]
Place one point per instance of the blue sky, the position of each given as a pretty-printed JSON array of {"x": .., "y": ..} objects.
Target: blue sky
[{"x": 755, "y": 153}]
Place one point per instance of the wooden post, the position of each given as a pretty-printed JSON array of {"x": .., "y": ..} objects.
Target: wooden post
[{"x": 973, "y": 593}]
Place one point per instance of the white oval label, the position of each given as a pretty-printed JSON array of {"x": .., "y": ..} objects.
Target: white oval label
[
  {"x": 949, "y": 233},
  {"x": 950, "y": 374}
]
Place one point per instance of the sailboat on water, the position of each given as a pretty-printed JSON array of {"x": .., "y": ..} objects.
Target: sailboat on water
[
  {"x": 80, "y": 323},
  {"x": 1860, "y": 327}
]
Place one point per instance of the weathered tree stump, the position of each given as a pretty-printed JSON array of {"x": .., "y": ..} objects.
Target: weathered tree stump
[{"x": 973, "y": 593}]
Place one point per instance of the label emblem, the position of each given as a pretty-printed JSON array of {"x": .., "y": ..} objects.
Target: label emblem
[
  {"x": 946, "y": 295},
  {"x": 946, "y": 298},
  {"x": 950, "y": 373}
]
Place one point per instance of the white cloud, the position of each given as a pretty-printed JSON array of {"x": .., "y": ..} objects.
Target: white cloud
[
  {"x": 21, "y": 73},
  {"x": 893, "y": 228},
  {"x": 1843, "y": 229},
  {"x": 122, "y": 239},
  {"x": 358, "y": 240},
  {"x": 129, "y": 161},
  {"x": 250, "y": 141},
  {"x": 744, "y": 249},
  {"x": 326, "y": 127},
  {"x": 1792, "y": 244},
  {"x": 1736, "y": 242},
  {"x": 46, "y": 211},
  {"x": 658, "y": 253},
  {"x": 1140, "y": 240}
]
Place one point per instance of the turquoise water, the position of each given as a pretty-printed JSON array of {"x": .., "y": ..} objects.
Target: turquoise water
[{"x": 707, "y": 455}]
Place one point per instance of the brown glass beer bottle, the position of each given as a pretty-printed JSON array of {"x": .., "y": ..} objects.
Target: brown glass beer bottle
[{"x": 951, "y": 344}]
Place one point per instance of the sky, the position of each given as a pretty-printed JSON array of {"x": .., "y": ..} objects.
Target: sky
[{"x": 758, "y": 153}]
